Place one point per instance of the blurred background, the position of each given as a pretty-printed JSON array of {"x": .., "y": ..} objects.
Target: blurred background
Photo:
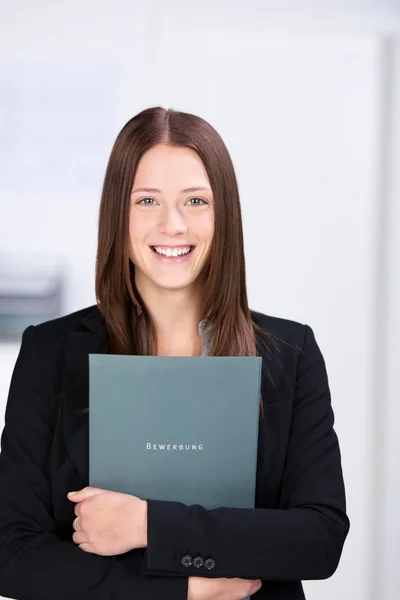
[{"x": 306, "y": 96}]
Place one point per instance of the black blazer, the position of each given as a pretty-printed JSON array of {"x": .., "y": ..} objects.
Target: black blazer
[{"x": 296, "y": 531}]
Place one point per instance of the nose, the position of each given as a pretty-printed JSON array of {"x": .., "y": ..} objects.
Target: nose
[{"x": 172, "y": 221}]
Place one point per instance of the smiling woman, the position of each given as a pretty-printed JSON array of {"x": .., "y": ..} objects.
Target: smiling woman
[
  {"x": 170, "y": 236},
  {"x": 170, "y": 280}
]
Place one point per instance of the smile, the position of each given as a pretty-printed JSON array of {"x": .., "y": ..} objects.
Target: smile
[
  {"x": 178, "y": 251},
  {"x": 176, "y": 255}
]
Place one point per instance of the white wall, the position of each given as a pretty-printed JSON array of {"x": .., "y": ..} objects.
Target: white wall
[
  {"x": 388, "y": 412},
  {"x": 302, "y": 97}
]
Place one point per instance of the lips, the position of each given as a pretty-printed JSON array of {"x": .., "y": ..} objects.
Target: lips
[{"x": 171, "y": 258}]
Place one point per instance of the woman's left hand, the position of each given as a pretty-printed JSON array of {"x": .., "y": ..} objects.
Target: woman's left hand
[{"x": 108, "y": 523}]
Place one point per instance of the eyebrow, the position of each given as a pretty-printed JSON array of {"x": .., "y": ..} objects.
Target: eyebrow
[{"x": 155, "y": 190}]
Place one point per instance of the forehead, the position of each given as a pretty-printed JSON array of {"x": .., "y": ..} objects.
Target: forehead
[{"x": 172, "y": 166}]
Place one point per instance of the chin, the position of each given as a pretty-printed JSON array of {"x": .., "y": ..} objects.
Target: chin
[{"x": 172, "y": 284}]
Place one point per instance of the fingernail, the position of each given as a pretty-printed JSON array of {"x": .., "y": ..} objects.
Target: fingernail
[{"x": 70, "y": 493}]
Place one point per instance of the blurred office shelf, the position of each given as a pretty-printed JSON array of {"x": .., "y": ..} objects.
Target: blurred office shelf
[{"x": 28, "y": 299}]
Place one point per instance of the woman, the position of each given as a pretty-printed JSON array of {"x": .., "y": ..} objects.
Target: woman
[{"x": 170, "y": 280}]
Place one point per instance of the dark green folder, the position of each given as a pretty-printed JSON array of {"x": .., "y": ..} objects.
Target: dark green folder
[{"x": 175, "y": 428}]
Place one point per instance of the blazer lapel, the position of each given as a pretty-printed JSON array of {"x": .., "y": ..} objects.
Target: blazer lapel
[{"x": 91, "y": 339}]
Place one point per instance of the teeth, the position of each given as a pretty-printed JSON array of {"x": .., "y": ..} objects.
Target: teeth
[{"x": 174, "y": 252}]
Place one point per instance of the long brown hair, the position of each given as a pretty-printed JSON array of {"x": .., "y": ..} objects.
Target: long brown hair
[{"x": 229, "y": 321}]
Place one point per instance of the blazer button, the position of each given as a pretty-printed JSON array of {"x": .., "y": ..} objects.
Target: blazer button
[
  {"x": 186, "y": 560},
  {"x": 209, "y": 563},
  {"x": 198, "y": 562}
]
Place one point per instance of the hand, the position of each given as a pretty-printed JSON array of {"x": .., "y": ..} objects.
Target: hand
[
  {"x": 109, "y": 523},
  {"x": 221, "y": 588}
]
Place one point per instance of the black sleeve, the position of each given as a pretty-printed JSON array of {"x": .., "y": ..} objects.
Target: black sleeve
[
  {"x": 301, "y": 539},
  {"x": 34, "y": 561}
]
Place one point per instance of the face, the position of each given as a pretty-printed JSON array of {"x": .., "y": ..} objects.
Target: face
[{"x": 172, "y": 209}]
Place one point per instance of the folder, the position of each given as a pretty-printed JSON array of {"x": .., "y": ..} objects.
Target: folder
[{"x": 180, "y": 428}]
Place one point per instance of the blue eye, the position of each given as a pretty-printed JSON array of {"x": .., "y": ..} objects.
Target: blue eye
[
  {"x": 140, "y": 201},
  {"x": 201, "y": 200}
]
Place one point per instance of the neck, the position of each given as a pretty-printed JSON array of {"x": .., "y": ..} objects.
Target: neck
[{"x": 176, "y": 315}]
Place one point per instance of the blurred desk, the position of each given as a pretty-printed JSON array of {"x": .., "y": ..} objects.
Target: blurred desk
[{"x": 8, "y": 356}]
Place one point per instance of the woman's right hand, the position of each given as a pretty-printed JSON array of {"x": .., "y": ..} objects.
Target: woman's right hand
[{"x": 221, "y": 588}]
